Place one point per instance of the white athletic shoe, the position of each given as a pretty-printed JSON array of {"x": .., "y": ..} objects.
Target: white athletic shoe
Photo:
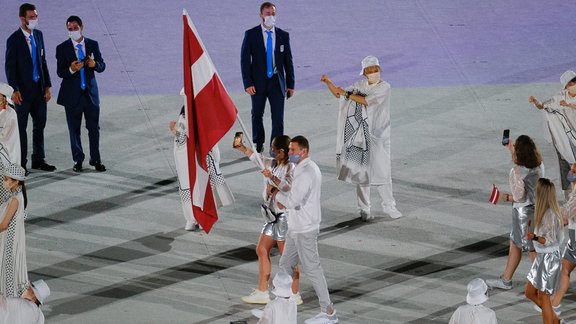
[
  {"x": 257, "y": 297},
  {"x": 298, "y": 298},
  {"x": 323, "y": 318},
  {"x": 392, "y": 211},
  {"x": 499, "y": 283}
]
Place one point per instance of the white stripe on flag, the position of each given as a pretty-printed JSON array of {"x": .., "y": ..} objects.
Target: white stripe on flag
[
  {"x": 202, "y": 73},
  {"x": 202, "y": 180}
]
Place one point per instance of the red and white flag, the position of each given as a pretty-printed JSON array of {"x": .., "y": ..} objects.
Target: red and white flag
[
  {"x": 210, "y": 114},
  {"x": 495, "y": 195}
]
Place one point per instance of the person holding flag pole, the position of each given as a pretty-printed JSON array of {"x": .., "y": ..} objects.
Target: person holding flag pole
[{"x": 209, "y": 115}]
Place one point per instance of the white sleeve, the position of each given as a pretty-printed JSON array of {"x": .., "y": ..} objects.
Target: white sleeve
[
  {"x": 379, "y": 97},
  {"x": 297, "y": 195},
  {"x": 516, "y": 180}
]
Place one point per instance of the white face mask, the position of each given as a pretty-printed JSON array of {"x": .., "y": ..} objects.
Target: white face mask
[
  {"x": 572, "y": 89},
  {"x": 270, "y": 21},
  {"x": 373, "y": 77},
  {"x": 75, "y": 35},
  {"x": 32, "y": 23}
]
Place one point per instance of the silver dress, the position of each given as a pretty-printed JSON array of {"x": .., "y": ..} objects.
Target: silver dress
[
  {"x": 276, "y": 229},
  {"x": 523, "y": 183},
  {"x": 569, "y": 211},
  {"x": 545, "y": 272}
]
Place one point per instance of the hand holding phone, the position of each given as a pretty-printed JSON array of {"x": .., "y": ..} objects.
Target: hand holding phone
[
  {"x": 237, "y": 140},
  {"x": 506, "y": 137}
]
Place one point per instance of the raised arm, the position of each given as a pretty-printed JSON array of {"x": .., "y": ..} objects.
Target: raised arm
[{"x": 336, "y": 91}]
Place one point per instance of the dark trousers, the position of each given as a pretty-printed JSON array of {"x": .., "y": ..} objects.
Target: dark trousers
[
  {"x": 564, "y": 169},
  {"x": 35, "y": 106},
  {"x": 91, "y": 114},
  {"x": 273, "y": 93}
]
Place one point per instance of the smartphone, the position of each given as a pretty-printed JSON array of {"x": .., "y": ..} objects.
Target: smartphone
[
  {"x": 506, "y": 137},
  {"x": 237, "y": 140}
]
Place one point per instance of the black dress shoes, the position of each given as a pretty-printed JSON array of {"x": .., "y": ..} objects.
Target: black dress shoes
[
  {"x": 98, "y": 166},
  {"x": 77, "y": 167},
  {"x": 259, "y": 147},
  {"x": 43, "y": 166}
]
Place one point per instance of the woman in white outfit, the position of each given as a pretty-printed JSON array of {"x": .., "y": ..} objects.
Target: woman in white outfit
[{"x": 13, "y": 270}]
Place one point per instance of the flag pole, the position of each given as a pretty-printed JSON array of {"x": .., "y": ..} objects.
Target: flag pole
[{"x": 258, "y": 157}]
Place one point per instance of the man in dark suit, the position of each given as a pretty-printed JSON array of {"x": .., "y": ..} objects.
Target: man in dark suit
[
  {"x": 267, "y": 72},
  {"x": 78, "y": 58},
  {"x": 27, "y": 73}
]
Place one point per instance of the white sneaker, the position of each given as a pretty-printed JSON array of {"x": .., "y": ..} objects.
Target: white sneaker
[
  {"x": 298, "y": 298},
  {"x": 323, "y": 318},
  {"x": 499, "y": 283},
  {"x": 257, "y": 297},
  {"x": 257, "y": 313},
  {"x": 392, "y": 211}
]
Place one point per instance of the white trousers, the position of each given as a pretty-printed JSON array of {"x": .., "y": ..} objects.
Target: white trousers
[
  {"x": 363, "y": 195},
  {"x": 302, "y": 248}
]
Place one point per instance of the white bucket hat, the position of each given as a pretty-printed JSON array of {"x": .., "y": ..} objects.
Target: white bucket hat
[
  {"x": 567, "y": 77},
  {"x": 6, "y": 90},
  {"x": 369, "y": 61},
  {"x": 15, "y": 171},
  {"x": 477, "y": 292},
  {"x": 282, "y": 285},
  {"x": 41, "y": 290}
]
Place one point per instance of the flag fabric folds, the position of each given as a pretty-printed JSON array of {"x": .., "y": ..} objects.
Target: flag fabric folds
[{"x": 210, "y": 114}]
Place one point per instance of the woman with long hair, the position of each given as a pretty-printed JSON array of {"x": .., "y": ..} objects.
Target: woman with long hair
[
  {"x": 277, "y": 177},
  {"x": 523, "y": 178},
  {"x": 544, "y": 276}
]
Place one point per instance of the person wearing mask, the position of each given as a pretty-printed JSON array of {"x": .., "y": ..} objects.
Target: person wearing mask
[
  {"x": 267, "y": 73},
  {"x": 277, "y": 177},
  {"x": 363, "y": 137},
  {"x": 78, "y": 59},
  {"x": 302, "y": 204},
  {"x": 560, "y": 116},
  {"x": 9, "y": 135},
  {"x": 27, "y": 73}
]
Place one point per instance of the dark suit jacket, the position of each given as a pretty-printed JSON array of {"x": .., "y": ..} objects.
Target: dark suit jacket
[
  {"x": 70, "y": 90},
  {"x": 253, "y": 60},
  {"x": 18, "y": 64}
]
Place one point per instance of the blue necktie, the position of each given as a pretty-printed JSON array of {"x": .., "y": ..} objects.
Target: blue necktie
[
  {"x": 80, "y": 58},
  {"x": 35, "y": 76},
  {"x": 269, "y": 52}
]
